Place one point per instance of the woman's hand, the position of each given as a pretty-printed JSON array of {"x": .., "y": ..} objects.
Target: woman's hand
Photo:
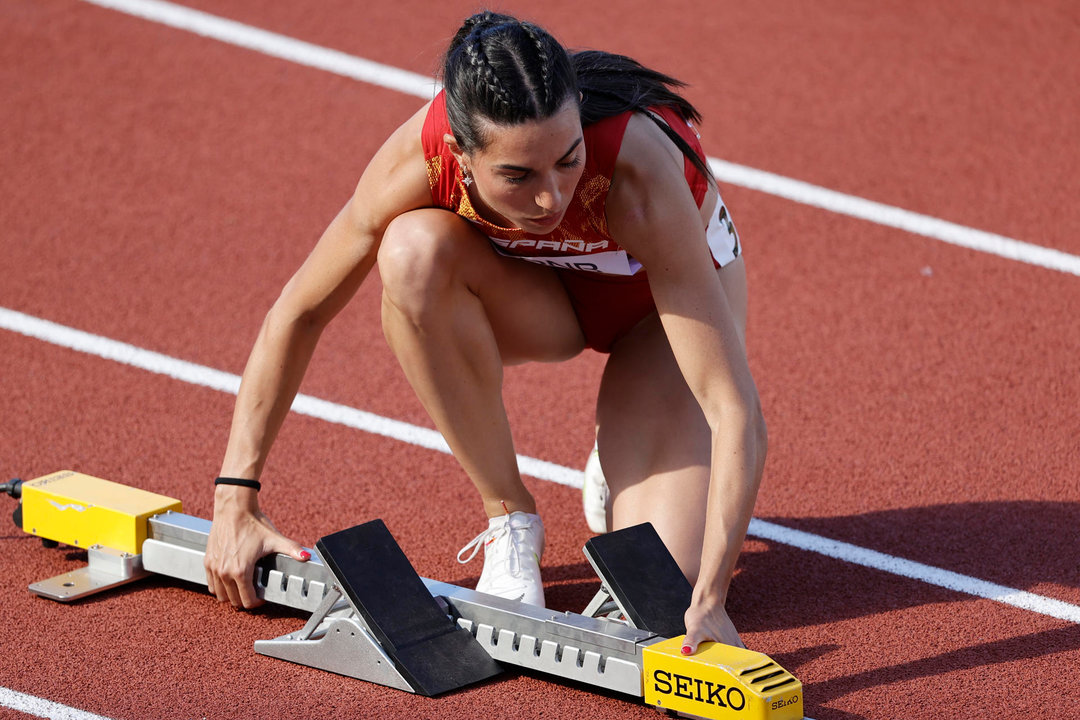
[
  {"x": 708, "y": 620},
  {"x": 239, "y": 536}
]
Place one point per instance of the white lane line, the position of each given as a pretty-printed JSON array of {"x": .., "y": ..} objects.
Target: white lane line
[
  {"x": 916, "y": 571},
  {"x": 41, "y": 708},
  {"x": 894, "y": 217},
  {"x": 339, "y": 63},
  {"x": 275, "y": 45},
  {"x": 202, "y": 376}
]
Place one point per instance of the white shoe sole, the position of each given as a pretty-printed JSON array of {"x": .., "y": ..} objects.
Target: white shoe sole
[{"x": 595, "y": 494}]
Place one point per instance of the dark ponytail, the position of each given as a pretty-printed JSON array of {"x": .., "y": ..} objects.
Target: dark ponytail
[
  {"x": 613, "y": 84},
  {"x": 505, "y": 71}
]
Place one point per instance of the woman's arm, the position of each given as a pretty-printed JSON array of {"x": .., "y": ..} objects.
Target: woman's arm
[
  {"x": 652, "y": 214},
  {"x": 394, "y": 182}
]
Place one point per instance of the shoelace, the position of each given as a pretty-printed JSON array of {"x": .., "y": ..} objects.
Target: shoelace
[{"x": 491, "y": 534}]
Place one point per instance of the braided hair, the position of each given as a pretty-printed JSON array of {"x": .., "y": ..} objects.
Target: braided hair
[
  {"x": 505, "y": 71},
  {"x": 508, "y": 71}
]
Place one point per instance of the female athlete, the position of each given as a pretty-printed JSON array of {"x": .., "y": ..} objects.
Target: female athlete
[{"x": 542, "y": 203}]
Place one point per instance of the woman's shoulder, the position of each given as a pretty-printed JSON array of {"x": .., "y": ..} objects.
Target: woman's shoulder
[
  {"x": 396, "y": 179},
  {"x": 409, "y": 135},
  {"x": 646, "y": 156},
  {"x": 645, "y": 145},
  {"x": 650, "y": 180}
]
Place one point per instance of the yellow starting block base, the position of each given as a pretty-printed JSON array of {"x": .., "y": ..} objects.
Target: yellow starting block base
[
  {"x": 85, "y": 511},
  {"x": 719, "y": 682}
]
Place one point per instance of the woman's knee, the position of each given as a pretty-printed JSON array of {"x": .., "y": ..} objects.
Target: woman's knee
[{"x": 418, "y": 257}]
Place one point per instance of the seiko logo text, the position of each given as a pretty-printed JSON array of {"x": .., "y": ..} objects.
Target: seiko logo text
[
  {"x": 702, "y": 691},
  {"x": 777, "y": 704}
]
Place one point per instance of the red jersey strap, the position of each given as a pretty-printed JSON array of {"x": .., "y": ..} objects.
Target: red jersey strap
[
  {"x": 444, "y": 175},
  {"x": 698, "y": 184}
]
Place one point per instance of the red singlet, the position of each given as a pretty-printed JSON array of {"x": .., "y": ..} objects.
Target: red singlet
[{"x": 608, "y": 288}]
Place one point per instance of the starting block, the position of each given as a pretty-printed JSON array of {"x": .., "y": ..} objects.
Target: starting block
[
  {"x": 396, "y": 622},
  {"x": 375, "y": 619},
  {"x": 641, "y": 578}
]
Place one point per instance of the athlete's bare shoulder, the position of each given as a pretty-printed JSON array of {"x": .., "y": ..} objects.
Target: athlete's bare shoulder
[
  {"x": 396, "y": 179},
  {"x": 645, "y": 146},
  {"x": 647, "y": 165},
  {"x": 650, "y": 166}
]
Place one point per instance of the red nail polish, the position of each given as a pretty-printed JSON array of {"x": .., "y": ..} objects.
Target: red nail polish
[
  {"x": 305, "y": 555},
  {"x": 686, "y": 650}
]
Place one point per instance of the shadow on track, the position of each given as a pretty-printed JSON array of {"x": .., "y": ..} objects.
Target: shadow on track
[
  {"x": 1024, "y": 647},
  {"x": 1017, "y": 544}
]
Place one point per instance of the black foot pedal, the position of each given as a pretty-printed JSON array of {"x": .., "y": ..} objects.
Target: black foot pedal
[
  {"x": 391, "y": 620},
  {"x": 642, "y": 578}
]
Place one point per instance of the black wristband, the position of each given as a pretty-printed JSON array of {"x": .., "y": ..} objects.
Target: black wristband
[{"x": 253, "y": 484}]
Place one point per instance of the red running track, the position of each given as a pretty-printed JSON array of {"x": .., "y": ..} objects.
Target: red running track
[{"x": 158, "y": 188}]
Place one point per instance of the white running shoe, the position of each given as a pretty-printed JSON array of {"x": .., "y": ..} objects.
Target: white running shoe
[
  {"x": 595, "y": 494},
  {"x": 513, "y": 545}
]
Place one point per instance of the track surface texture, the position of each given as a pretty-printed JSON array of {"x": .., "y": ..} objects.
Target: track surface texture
[{"x": 159, "y": 187}]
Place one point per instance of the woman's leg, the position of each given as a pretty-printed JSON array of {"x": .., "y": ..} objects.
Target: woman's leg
[
  {"x": 454, "y": 313},
  {"x": 655, "y": 446}
]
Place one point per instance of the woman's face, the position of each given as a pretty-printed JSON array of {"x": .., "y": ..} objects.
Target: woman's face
[{"x": 527, "y": 173}]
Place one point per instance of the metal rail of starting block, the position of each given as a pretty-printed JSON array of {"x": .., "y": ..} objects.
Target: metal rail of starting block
[
  {"x": 595, "y": 651},
  {"x": 375, "y": 619}
]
